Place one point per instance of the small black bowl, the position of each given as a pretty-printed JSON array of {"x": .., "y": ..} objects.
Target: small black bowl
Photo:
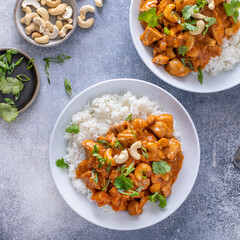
[{"x": 31, "y": 88}]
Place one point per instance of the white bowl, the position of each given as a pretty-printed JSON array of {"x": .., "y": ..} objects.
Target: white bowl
[
  {"x": 18, "y": 14},
  {"x": 181, "y": 188},
  {"x": 223, "y": 81}
]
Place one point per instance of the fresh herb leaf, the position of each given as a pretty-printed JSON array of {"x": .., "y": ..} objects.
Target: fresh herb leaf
[
  {"x": 104, "y": 143},
  {"x": 210, "y": 21},
  {"x": 109, "y": 166},
  {"x": 129, "y": 193},
  {"x": 121, "y": 167},
  {"x": 128, "y": 170},
  {"x": 189, "y": 26},
  {"x": 118, "y": 145},
  {"x": 106, "y": 185},
  {"x": 182, "y": 50},
  {"x": 188, "y": 64},
  {"x": 155, "y": 197},
  {"x": 123, "y": 183},
  {"x": 133, "y": 133},
  {"x": 95, "y": 149},
  {"x": 200, "y": 75},
  {"x": 143, "y": 174},
  {"x": 144, "y": 152},
  {"x": 30, "y": 63},
  {"x": 61, "y": 164},
  {"x": 19, "y": 61},
  {"x": 94, "y": 176},
  {"x": 150, "y": 17},
  {"x": 232, "y": 8},
  {"x": 129, "y": 118},
  {"x": 8, "y": 112},
  {"x": 12, "y": 51},
  {"x": 11, "y": 85},
  {"x": 188, "y": 10},
  {"x": 201, "y": 5},
  {"x": 4, "y": 66},
  {"x": 161, "y": 167},
  {"x": 23, "y": 78},
  {"x": 100, "y": 159},
  {"x": 68, "y": 87},
  {"x": 73, "y": 128},
  {"x": 166, "y": 31},
  {"x": 9, "y": 101},
  {"x": 9, "y": 57}
]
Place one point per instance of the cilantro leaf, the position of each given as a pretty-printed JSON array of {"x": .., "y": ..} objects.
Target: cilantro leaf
[
  {"x": 188, "y": 10},
  {"x": 189, "y": 26},
  {"x": 73, "y": 128},
  {"x": 161, "y": 167},
  {"x": 128, "y": 170},
  {"x": 200, "y": 75},
  {"x": 150, "y": 17},
  {"x": 201, "y": 5},
  {"x": 11, "y": 85},
  {"x": 8, "y": 112},
  {"x": 232, "y": 8},
  {"x": 61, "y": 164},
  {"x": 182, "y": 50},
  {"x": 123, "y": 183},
  {"x": 155, "y": 197},
  {"x": 210, "y": 21},
  {"x": 129, "y": 118}
]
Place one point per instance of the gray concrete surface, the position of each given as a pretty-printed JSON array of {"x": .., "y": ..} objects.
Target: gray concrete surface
[{"x": 30, "y": 205}]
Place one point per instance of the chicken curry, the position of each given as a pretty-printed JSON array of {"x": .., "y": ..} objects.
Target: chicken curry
[
  {"x": 185, "y": 34},
  {"x": 138, "y": 160}
]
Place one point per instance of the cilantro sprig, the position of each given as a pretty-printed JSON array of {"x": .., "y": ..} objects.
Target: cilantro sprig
[
  {"x": 61, "y": 163},
  {"x": 8, "y": 112},
  {"x": 150, "y": 17},
  {"x": 232, "y": 8},
  {"x": 161, "y": 167},
  {"x": 188, "y": 10},
  {"x": 210, "y": 21},
  {"x": 157, "y": 196},
  {"x": 73, "y": 128}
]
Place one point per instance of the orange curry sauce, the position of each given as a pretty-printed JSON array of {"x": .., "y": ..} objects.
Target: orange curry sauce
[{"x": 156, "y": 136}]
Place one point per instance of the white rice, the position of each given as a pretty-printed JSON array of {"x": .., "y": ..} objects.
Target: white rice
[
  {"x": 229, "y": 58},
  {"x": 95, "y": 120}
]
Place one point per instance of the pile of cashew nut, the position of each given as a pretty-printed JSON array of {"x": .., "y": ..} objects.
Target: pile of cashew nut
[{"x": 38, "y": 23}]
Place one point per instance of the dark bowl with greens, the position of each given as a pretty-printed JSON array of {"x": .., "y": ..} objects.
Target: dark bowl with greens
[{"x": 19, "y": 83}]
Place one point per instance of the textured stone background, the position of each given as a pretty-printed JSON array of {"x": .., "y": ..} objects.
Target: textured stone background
[{"x": 30, "y": 206}]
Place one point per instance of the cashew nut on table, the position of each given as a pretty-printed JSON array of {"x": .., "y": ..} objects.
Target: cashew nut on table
[{"x": 38, "y": 23}]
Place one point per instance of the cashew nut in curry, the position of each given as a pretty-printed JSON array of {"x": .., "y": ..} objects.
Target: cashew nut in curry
[
  {"x": 132, "y": 151},
  {"x": 191, "y": 33}
]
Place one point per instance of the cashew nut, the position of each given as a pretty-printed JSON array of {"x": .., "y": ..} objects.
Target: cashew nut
[
  {"x": 211, "y": 4},
  {"x": 84, "y": 9},
  {"x": 36, "y": 34},
  {"x": 31, "y": 28},
  {"x": 49, "y": 26},
  {"x": 43, "y": 13},
  {"x": 85, "y": 24},
  {"x": 42, "y": 40},
  {"x": 26, "y": 10},
  {"x": 29, "y": 17},
  {"x": 54, "y": 33},
  {"x": 43, "y": 2},
  {"x": 59, "y": 24},
  {"x": 64, "y": 30},
  {"x": 200, "y": 25},
  {"x": 122, "y": 158},
  {"x": 41, "y": 23},
  {"x": 68, "y": 13},
  {"x": 133, "y": 150},
  {"x": 58, "y": 10},
  {"x": 198, "y": 15},
  {"x": 33, "y": 3},
  {"x": 70, "y": 20},
  {"x": 99, "y": 3},
  {"x": 53, "y": 3}
]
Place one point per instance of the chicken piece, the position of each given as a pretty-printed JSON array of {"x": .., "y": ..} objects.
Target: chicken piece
[
  {"x": 150, "y": 35},
  {"x": 159, "y": 129},
  {"x": 168, "y": 119},
  {"x": 135, "y": 207},
  {"x": 147, "y": 4},
  {"x": 176, "y": 68},
  {"x": 172, "y": 149},
  {"x": 88, "y": 180},
  {"x": 101, "y": 198}
]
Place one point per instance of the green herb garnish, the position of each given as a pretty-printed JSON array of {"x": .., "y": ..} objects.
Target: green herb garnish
[
  {"x": 11, "y": 85},
  {"x": 8, "y": 112},
  {"x": 200, "y": 75},
  {"x": 68, "y": 87},
  {"x": 121, "y": 167},
  {"x": 144, "y": 152},
  {"x": 201, "y": 5},
  {"x": 123, "y": 183},
  {"x": 188, "y": 10},
  {"x": 232, "y": 8},
  {"x": 188, "y": 64},
  {"x": 106, "y": 185},
  {"x": 166, "y": 30},
  {"x": 133, "y": 133},
  {"x": 129, "y": 193},
  {"x": 9, "y": 101},
  {"x": 210, "y": 21},
  {"x": 23, "y": 78},
  {"x": 109, "y": 166},
  {"x": 143, "y": 174},
  {"x": 73, "y": 128},
  {"x": 95, "y": 149},
  {"x": 161, "y": 167},
  {"x": 118, "y": 145},
  {"x": 104, "y": 143},
  {"x": 30, "y": 63},
  {"x": 61, "y": 164},
  {"x": 150, "y": 17},
  {"x": 94, "y": 176},
  {"x": 182, "y": 50},
  {"x": 126, "y": 171},
  {"x": 154, "y": 198},
  {"x": 129, "y": 118}
]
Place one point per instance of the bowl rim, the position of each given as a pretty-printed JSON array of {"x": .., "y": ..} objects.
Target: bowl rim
[
  {"x": 139, "y": 81},
  {"x": 158, "y": 73},
  {"x": 35, "y": 94},
  {"x": 48, "y": 45}
]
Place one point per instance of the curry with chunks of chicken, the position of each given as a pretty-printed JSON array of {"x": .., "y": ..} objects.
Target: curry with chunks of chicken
[
  {"x": 138, "y": 160},
  {"x": 185, "y": 34}
]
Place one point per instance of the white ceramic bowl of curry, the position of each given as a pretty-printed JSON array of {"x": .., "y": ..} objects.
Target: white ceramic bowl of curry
[{"x": 180, "y": 189}]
